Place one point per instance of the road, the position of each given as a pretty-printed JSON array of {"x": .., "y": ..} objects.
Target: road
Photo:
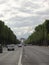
[
  {"x": 28, "y": 55},
  {"x": 35, "y": 55},
  {"x": 10, "y": 57}
]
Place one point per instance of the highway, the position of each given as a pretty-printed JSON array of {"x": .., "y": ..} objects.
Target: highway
[
  {"x": 35, "y": 55},
  {"x": 27, "y": 55},
  {"x": 10, "y": 57}
]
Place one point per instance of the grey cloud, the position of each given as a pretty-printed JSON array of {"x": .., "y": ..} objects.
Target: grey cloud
[
  {"x": 3, "y": 1},
  {"x": 22, "y": 34},
  {"x": 25, "y": 35},
  {"x": 46, "y": 12},
  {"x": 19, "y": 21},
  {"x": 1, "y": 15},
  {"x": 31, "y": 5},
  {"x": 27, "y": 21}
]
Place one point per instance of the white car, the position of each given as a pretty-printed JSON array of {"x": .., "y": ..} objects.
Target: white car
[
  {"x": 19, "y": 45},
  {"x": 10, "y": 47}
]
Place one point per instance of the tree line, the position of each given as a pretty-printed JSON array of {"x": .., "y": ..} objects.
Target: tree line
[
  {"x": 40, "y": 36},
  {"x": 6, "y": 35}
]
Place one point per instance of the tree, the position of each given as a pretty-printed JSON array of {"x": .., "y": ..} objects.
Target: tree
[
  {"x": 41, "y": 34},
  {"x": 6, "y": 35}
]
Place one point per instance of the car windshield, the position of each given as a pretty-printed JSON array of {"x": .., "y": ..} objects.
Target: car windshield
[{"x": 24, "y": 32}]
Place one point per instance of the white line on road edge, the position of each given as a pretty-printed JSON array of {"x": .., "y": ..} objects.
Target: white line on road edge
[{"x": 19, "y": 63}]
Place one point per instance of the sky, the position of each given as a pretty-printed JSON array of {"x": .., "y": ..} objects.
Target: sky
[{"x": 22, "y": 16}]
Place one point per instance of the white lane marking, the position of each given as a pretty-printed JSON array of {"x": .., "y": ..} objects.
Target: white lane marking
[{"x": 19, "y": 63}]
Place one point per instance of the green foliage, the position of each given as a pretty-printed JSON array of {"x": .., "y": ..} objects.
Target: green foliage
[
  {"x": 6, "y": 35},
  {"x": 40, "y": 34}
]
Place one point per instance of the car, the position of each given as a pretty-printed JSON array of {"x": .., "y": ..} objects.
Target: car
[
  {"x": 19, "y": 45},
  {"x": 11, "y": 47},
  {"x": 24, "y": 44},
  {"x": 1, "y": 49}
]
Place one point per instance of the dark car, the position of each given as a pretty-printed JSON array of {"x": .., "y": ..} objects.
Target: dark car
[{"x": 1, "y": 50}]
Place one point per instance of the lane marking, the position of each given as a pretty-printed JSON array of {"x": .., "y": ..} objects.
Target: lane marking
[{"x": 19, "y": 63}]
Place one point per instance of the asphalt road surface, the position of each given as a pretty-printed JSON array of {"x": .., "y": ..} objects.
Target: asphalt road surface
[
  {"x": 28, "y": 55},
  {"x": 35, "y": 55},
  {"x": 10, "y": 57}
]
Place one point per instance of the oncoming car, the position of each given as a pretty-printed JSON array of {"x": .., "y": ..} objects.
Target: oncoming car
[
  {"x": 19, "y": 45},
  {"x": 11, "y": 47}
]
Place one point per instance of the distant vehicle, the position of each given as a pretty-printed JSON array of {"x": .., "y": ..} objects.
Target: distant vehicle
[
  {"x": 11, "y": 47},
  {"x": 1, "y": 49},
  {"x": 24, "y": 44},
  {"x": 19, "y": 45}
]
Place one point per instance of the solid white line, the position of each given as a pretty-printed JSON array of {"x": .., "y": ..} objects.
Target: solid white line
[{"x": 19, "y": 63}]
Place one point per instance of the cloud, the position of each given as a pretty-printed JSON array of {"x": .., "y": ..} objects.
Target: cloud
[
  {"x": 22, "y": 31},
  {"x": 23, "y": 15}
]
